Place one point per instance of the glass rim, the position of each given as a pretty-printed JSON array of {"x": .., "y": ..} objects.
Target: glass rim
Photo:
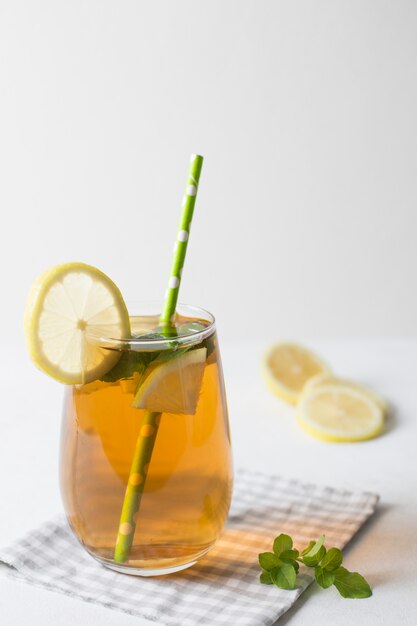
[{"x": 152, "y": 344}]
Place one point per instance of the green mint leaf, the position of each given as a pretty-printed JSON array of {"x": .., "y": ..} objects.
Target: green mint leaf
[
  {"x": 265, "y": 578},
  {"x": 312, "y": 561},
  {"x": 268, "y": 560},
  {"x": 307, "y": 550},
  {"x": 281, "y": 567},
  {"x": 351, "y": 584},
  {"x": 150, "y": 336},
  {"x": 284, "y": 576},
  {"x": 132, "y": 361},
  {"x": 316, "y": 547},
  {"x": 289, "y": 555},
  {"x": 282, "y": 542},
  {"x": 312, "y": 555},
  {"x": 332, "y": 559},
  {"x": 190, "y": 327},
  {"x": 324, "y": 578},
  {"x": 167, "y": 355},
  {"x": 129, "y": 363}
]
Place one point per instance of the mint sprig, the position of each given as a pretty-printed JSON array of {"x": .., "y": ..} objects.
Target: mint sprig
[
  {"x": 129, "y": 363},
  {"x": 280, "y": 567},
  {"x": 132, "y": 362}
]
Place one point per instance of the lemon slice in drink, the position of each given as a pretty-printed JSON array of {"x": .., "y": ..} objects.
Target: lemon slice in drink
[
  {"x": 173, "y": 386},
  {"x": 287, "y": 367},
  {"x": 340, "y": 412},
  {"x": 65, "y": 304}
]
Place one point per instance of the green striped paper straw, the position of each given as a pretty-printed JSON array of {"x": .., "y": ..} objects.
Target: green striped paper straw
[
  {"x": 149, "y": 429},
  {"x": 180, "y": 247}
]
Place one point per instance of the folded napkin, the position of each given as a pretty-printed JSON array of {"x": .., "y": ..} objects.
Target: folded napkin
[{"x": 222, "y": 588}]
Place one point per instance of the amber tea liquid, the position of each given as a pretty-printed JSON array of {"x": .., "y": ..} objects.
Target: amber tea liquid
[{"x": 189, "y": 479}]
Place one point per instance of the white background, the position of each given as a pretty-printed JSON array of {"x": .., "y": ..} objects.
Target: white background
[{"x": 305, "y": 112}]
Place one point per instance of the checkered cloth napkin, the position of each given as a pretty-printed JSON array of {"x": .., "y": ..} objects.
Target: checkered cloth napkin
[{"x": 222, "y": 588}]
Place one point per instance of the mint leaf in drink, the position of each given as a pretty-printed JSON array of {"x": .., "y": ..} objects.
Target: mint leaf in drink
[
  {"x": 268, "y": 560},
  {"x": 281, "y": 543},
  {"x": 166, "y": 355},
  {"x": 281, "y": 566},
  {"x": 332, "y": 559},
  {"x": 137, "y": 365},
  {"x": 323, "y": 577},
  {"x": 284, "y": 576},
  {"x": 153, "y": 336},
  {"x": 351, "y": 584},
  {"x": 132, "y": 361},
  {"x": 129, "y": 363},
  {"x": 190, "y": 327}
]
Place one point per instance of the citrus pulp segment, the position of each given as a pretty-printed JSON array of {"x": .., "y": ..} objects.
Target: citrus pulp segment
[{"x": 173, "y": 386}]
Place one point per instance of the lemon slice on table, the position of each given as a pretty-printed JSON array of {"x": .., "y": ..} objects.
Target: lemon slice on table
[
  {"x": 173, "y": 386},
  {"x": 287, "y": 367},
  {"x": 328, "y": 379},
  {"x": 340, "y": 412},
  {"x": 65, "y": 304}
]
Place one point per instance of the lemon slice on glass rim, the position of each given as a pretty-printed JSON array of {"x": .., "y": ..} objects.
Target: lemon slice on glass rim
[
  {"x": 340, "y": 412},
  {"x": 65, "y": 304},
  {"x": 286, "y": 367}
]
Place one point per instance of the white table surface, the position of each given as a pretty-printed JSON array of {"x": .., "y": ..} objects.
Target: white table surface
[{"x": 385, "y": 551}]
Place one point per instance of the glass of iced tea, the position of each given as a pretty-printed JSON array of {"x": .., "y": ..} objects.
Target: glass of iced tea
[{"x": 186, "y": 485}]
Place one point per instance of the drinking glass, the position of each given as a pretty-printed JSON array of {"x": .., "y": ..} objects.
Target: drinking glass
[{"x": 188, "y": 482}]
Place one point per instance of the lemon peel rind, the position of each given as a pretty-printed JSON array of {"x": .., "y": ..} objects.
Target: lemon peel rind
[{"x": 327, "y": 438}]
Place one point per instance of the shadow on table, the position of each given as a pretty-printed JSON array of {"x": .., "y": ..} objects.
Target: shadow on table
[
  {"x": 234, "y": 557},
  {"x": 391, "y": 420}
]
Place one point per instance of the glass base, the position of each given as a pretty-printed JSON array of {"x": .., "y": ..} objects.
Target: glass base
[
  {"x": 136, "y": 571},
  {"x": 142, "y": 568}
]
